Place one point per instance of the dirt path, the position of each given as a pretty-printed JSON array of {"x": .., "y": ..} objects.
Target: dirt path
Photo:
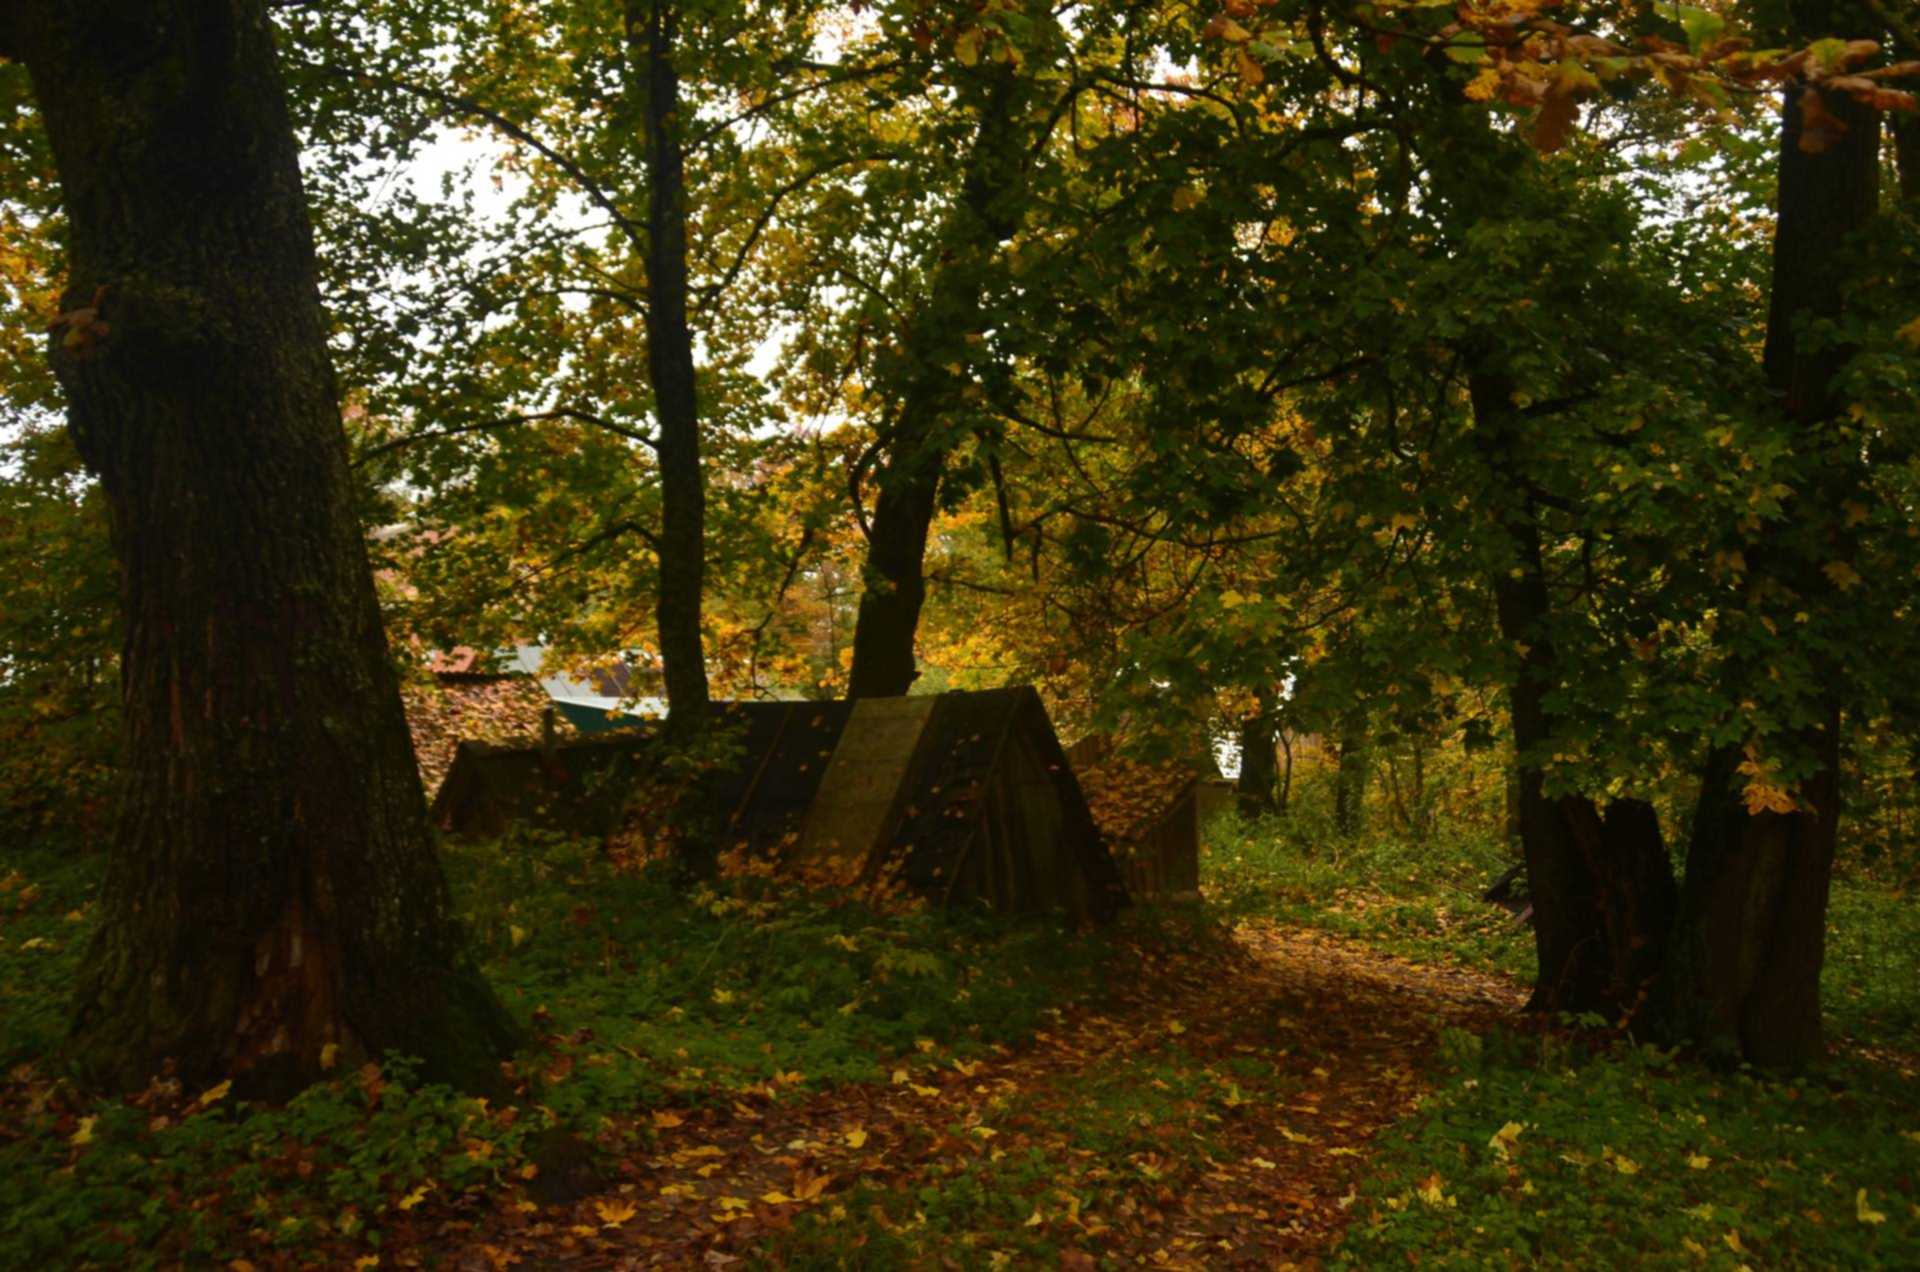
[{"x": 1214, "y": 1116}]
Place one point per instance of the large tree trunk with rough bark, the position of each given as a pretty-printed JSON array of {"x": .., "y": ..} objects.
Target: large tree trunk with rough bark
[
  {"x": 1600, "y": 882},
  {"x": 1744, "y": 978},
  {"x": 652, "y": 33},
  {"x": 931, "y": 388},
  {"x": 273, "y": 907}
]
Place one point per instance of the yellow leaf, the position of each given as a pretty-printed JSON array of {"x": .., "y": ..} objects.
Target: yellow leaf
[
  {"x": 917, "y": 1089},
  {"x": 1185, "y": 197},
  {"x": 856, "y": 1138},
  {"x": 1262, "y": 1163},
  {"x": 899, "y": 1076},
  {"x": 924, "y": 1045},
  {"x": 1402, "y": 521},
  {"x": 966, "y": 46},
  {"x": 614, "y": 1213},
  {"x": 516, "y": 934},
  {"x": 329, "y": 1054},
  {"x": 775, "y": 1198},
  {"x": 214, "y": 1094},
  {"x": 1911, "y": 333},
  {"x": 1504, "y": 1138},
  {"x": 1035, "y": 1219},
  {"x": 666, "y": 1121},
  {"x": 1251, "y": 73},
  {"x": 415, "y": 1197},
  {"x": 365, "y": 1262},
  {"x": 1430, "y": 1190},
  {"x": 809, "y": 1187},
  {"x": 1844, "y": 576},
  {"x": 85, "y": 1134},
  {"x": 1626, "y": 1165},
  {"x": 1732, "y": 1238},
  {"x": 723, "y": 996},
  {"x": 1484, "y": 85},
  {"x": 1699, "y": 1162},
  {"x": 1866, "y": 1213}
]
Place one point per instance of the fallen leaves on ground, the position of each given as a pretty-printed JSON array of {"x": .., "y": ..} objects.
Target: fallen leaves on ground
[{"x": 1281, "y": 1054}]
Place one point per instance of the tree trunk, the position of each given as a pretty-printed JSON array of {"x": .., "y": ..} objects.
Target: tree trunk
[
  {"x": 1350, "y": 774},
  {"x": 1258, "y": 770},
  {"x": 652, "y": 32},
  {"x": 1601, "y": 886},
  {"x": 931, "y": 391},
  {"x": 1745, "y": 977},
  {"x": 1906, "y": 153},
  {"x": 273, "y": 908},
  {"x": 1286, "y": 772}
]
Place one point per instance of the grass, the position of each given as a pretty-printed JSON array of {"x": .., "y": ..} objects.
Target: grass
[
  {"x": 1541, "y": 1151},
  {"x": 636, "y": 994},
  {"x": 1536, "y": 1147},
  {"x": 1544, "y": 1148},
  {"x": 1420, "y": 900}
]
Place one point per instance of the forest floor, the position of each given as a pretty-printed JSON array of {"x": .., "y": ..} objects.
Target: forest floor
[
  {"x": 1215, "y": 1114},
  {"x": 1320, "y": 1064}
]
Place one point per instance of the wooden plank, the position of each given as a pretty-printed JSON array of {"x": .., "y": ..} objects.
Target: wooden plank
[{"x": 866, "y": 782}]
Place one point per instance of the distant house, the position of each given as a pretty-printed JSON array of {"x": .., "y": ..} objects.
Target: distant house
[{"x": 610, "y": 693}]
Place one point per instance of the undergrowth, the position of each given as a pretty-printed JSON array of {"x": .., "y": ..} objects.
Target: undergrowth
[
  {"x": 1544, "y": 1148},
  {"x": 636, "y": 994},
  {"x": 1540, "y": 1150}
]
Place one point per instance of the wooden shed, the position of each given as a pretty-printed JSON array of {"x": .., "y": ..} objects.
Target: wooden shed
[
  {"x": 1152, "y": 814},
  {"x": 964, "y": 796},
  {"x": 583, "y": 786}
]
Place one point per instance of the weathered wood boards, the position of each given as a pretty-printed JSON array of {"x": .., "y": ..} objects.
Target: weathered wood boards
[{"x": 959, "y": 798}]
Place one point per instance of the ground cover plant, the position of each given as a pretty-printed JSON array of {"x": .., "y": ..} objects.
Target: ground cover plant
[
  {"x": 633, "y": 995},
  {"x": 1492, "y": 422}
]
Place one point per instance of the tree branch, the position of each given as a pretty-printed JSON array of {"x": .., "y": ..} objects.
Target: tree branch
[
  {"x": 466, "y": 107},
  {"x": 504, "y": 421}
]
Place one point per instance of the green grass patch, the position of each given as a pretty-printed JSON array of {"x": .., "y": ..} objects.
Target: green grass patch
[
  {"x": 1539, "y": 1151},
  {"x": 1420, "y": 899},
  {"x": 636, "y": 994}
]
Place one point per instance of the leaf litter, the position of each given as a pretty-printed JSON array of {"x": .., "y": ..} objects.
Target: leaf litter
[{"x": 1216, "y": 1113}]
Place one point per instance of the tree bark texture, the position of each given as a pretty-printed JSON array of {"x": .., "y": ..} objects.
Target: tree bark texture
[
  {"x": 1350, "y": 773},
  {"x": 930, "y": 391},
  {"x": 654, "y": 27},
  {"x": 1259, "y": 770},
  {"x": 1600, "y": 882},
  {"x": 1906, "y": 150},
  {"x": 273, "y": 907},
  {"x": 1751, "y": 939}
]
